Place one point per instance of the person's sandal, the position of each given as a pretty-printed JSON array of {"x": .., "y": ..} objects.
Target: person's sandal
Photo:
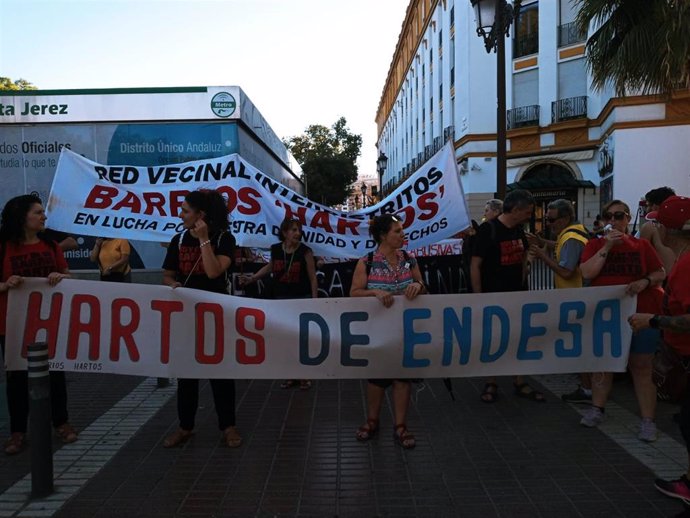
[
  {"x": 523, "y": 390},
  {"x": 66, "y": 433},
  {"x": 368, "y": 430},
  {"x": 288, "y": 384},
  {"x": 305, "y": 384},
  {"x": 177, "y": 438},
  {"x": 232, "y": 437},
  {"x": 490, "y": 393},
  {"x": 403, "y": 437},
  {"x": 15, "y": 444}
]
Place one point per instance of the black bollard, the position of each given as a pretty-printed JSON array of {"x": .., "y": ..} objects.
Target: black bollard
[{"x": 40, "y": 429}]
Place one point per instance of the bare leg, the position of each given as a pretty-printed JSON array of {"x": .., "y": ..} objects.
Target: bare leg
[
  {"x": 586, "y": 380},
  {"x": 375, "y": 396},
  {"x": 645, "y": 390},
  {"x": 401, "y": 400},
  {"x": 601, "y": 388}
]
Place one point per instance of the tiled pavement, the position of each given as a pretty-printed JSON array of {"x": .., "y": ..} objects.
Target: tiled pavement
[{"x": 512, "y": 458}]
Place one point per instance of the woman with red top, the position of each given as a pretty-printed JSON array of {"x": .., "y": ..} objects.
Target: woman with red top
[
  {"x": 25, "y": 254},
  {"x": 389, "y": 272},
  {"x": 618, "y": 258},
  {"x": 673, "y": 217}
]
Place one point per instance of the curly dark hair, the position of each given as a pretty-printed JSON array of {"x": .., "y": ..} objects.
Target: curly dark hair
[
  {"x": 213, "y": 205},
  {"x": 14, "y": 217},
  {"x": 380, "y": 225}
]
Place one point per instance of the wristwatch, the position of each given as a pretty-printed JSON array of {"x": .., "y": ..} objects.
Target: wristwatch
[{"x": 654, "y": 322}]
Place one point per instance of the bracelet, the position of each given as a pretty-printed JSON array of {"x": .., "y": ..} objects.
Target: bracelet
[
  {"x": 603, "y": 254},
  {"x": 202, "y": 245}
]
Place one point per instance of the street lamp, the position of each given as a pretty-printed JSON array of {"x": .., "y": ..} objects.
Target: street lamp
[
  {"x": 364, "y": 195},
  {"x": 493, "y": 24},
  {"x": 381, "y": 163}
]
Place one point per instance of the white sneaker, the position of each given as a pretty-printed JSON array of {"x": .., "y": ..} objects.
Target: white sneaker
[
  {"x": 647, "y": 430},
  {"x": 592, "y": 418}
]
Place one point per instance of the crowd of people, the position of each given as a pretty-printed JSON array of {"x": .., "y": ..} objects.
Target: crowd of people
[{"x": 497, "y": 255}]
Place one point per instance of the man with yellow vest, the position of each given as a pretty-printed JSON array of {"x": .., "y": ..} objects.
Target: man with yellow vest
[{"x": 571, "y": 240}]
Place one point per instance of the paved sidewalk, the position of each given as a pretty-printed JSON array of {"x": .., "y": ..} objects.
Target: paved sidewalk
[{"x": 512, "y": 458}]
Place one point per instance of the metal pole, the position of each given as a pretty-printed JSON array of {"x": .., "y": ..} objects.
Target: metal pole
[
  {"x": 500, "y": 101},
  {"x": 40, "y": 421}
]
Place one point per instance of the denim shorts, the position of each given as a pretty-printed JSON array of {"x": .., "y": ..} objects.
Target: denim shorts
[{"x": 645, "y": 341}]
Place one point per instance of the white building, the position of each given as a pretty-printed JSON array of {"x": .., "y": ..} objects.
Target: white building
[{"x": 565, "y": 140}]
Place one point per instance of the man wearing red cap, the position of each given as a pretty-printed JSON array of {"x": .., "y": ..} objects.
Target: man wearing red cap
[{"x": 673, "y": 217}]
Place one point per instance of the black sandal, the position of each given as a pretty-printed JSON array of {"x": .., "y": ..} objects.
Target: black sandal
[
  {"x": 490, "y": 393},
  {"x": 524, "y": 391}
]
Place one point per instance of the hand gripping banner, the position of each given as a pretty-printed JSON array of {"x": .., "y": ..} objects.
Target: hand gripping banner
[{"x": 143, "y": 203}]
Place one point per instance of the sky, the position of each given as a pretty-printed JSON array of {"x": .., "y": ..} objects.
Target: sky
[{"x": 301, "y": 62}]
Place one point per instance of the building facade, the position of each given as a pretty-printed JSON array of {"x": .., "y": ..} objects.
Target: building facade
[{"x": 565, "y": 140}]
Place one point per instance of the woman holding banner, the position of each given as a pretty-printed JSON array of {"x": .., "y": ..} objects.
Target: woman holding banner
[
  {"x": 198, "y": 258},
  {"x": 294, "y": 274},
  {"x": 23, "y": 253},
  {"x": 384, "y": 274},
  {"x": 618, "y": 258}
]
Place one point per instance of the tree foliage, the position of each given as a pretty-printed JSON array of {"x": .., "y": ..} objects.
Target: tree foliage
[
  {"x": 328, "y": 159},
  {"x": 20, "y": 84},
  {"x": 637, "y": 45}
]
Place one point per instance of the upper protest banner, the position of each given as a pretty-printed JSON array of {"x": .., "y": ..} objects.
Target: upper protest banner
[
  {"x": 143, "y": 203},
  {"x": 159, "y": 331}
]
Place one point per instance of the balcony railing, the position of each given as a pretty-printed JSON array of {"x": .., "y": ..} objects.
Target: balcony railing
[
  {"x": 568, "y": 109},
  {"x": 568, "y": 34},
  {"x": 524, "y": 45},
  {"x": 523, "y": 116}
]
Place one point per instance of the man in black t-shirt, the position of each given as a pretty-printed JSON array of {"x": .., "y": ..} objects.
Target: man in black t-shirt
[{"x": 499, "y": 263}]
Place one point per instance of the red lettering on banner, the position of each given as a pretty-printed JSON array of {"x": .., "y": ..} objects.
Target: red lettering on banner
[
  {"x": 250, "y": 198},
  {"x": 176, "y": 200},
  {"x": 344, "y": 224},
  {"x": 241, "y": 345},
  {"x": 91, "y": 327},
  {"x": 301, "y": 214},
  {"x": 408, "y": 217},
  {"x": 166, "y": 308},
  {"x": 120, "y": 331},
  {"x": 429, "y": 208},
  {"x": 216, "y": 311},
  {"x": 322, "y": 220},
  {"x": 34, "y": 322},
  {"x": 154, "y": 200},
  {"x": 130, "y": 201},
  {"x": 100, "y": 197}
]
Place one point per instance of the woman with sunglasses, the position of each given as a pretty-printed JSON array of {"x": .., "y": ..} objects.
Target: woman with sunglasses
[
  {"x": 198, "y": 258},
  {"x": 387, "y": 273},
  {"x": 619, "y": 258}
]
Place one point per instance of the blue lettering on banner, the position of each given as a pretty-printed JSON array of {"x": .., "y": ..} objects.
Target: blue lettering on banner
[
  {"x": 564, "y": 325},
  {"x": 486, "y": 355},
  {"x": 411, "y": 338},
  {"x": 304, "y": 320},
  {"x": 528, "y": 331},
  {"x": 348, "y": 339},
  {"x": 603, "y": 325},
  {"x": 461, "y": 332}
]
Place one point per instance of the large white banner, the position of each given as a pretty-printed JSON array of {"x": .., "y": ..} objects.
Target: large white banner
[
  {"x": 157, "y": 331},
  {"x": 143, "y": 203}
]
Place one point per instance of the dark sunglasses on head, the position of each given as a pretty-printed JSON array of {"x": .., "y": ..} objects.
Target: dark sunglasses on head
[{"x": 618, "y": 215}]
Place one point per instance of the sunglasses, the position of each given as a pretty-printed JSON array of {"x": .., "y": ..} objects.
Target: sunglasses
[{"x": 618, "y": 215}]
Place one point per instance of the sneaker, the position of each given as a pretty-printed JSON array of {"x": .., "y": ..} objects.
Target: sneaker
[
  {"x": 647, "y": 431},
  {"x": 577, "y": 396},
  {"x": 15, "y": 444},
  {"x": 679, "y": 488},
  {"x": 592, "y": 418}
]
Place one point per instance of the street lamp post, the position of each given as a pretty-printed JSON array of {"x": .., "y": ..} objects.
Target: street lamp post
[
  {"x": 364, "y": 195},
  {"x": 381, "y": 163},
  {"x": 493, "y": 24}
]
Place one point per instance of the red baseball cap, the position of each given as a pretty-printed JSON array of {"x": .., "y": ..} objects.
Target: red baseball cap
[{"x": 673, "y": 213}]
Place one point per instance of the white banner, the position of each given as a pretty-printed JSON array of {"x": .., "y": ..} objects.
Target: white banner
[
  {"x": 143, "y": 203},
  {"x": 157, "y": 331}
]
